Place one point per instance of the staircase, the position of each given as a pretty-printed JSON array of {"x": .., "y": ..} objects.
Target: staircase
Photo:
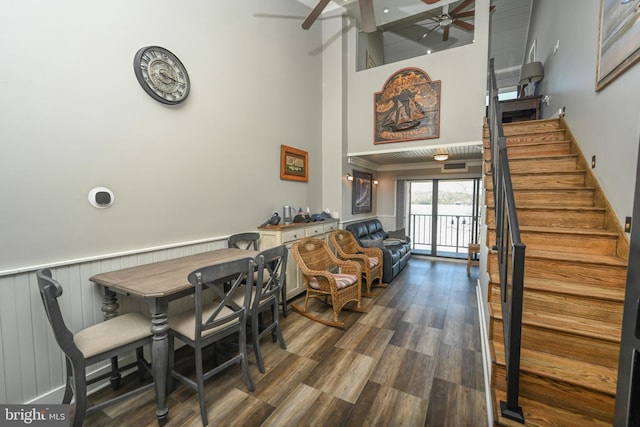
[{"x": 575, "y": 275}]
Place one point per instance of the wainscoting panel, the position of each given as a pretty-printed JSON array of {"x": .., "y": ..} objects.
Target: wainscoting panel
[{"x": 31, "y": 363}]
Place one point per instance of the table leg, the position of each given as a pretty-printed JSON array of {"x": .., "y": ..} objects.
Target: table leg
[
  {"x": 160, "y": 355},
  {"x": 110, "y": 310}
]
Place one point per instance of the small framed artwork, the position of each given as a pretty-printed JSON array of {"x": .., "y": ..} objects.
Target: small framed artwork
[
  {"x": 361, "y": 193},
  {"x": 619, "y": 39},
  {"x": 294, "y": 164}
]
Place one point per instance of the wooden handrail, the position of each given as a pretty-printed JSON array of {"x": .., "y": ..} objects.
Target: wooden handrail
[{"x": 510, "y": 251}]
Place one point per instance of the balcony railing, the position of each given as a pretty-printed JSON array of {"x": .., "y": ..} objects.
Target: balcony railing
[{"x": 453, "y": 234}]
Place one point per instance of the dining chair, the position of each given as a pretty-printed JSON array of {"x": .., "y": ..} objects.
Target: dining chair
[
  {"x": 210, "y": 322},
  {"x": 100, "y": 342},
  {"x": 244, "y": 241},
  {"x": 251, "y": 240},
  {"x": 271, "y": 276},
  {"x": 327, "y": 276},
  {"x": 370, "y": 259}
]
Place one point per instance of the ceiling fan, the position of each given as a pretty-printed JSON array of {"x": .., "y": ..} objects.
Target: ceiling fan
[
  {"x": 366, "y": 15},
  {"x": 448, "y": 18}
]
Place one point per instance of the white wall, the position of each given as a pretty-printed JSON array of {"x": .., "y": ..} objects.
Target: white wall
[
  {"x": 605, "y": 123},
  {"x": 462, "y": 72},
  {"x": 73, "y": 117}
]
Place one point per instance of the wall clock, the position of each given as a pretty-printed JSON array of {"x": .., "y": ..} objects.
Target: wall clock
[{"x": 161, "y": 75}]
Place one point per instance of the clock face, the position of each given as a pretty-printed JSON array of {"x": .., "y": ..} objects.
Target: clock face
[{"x": 161, "y": 75}]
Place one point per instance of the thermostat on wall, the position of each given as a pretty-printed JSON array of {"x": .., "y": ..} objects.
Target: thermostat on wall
[{"x": 101, "y": 197}]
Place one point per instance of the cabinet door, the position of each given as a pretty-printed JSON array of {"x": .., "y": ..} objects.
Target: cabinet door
[{"x": 295, "y": 281}]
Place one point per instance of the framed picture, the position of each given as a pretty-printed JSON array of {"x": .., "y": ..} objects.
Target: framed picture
[
  {"x": 294, "y": 164},
  {"x": 618, "y": 41},
  {"x": 361, "y": 193}
]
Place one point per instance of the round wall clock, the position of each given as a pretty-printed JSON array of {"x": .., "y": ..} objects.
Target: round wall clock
[{"x": 161, "y": 75}]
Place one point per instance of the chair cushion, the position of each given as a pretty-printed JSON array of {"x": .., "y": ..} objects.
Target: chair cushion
[
  {"x": 373, "y": 261},
  {"x": 185, "y": 323},
  {"x": 112, "y": 333},
  {"x": 342, "y": 281}
]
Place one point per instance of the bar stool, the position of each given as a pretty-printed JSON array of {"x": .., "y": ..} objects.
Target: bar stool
[{"x": 474, "y": 248}]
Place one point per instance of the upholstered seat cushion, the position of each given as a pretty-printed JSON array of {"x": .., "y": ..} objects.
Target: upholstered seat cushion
[
  {"x": 373, "y": 261},
  {"x": 342, "y": 281},
  {"x": 111, "y": 334},
  {"x": 185, "y": 323}
]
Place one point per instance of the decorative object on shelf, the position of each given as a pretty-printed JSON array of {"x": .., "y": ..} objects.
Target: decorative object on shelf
[
  {"x": 361, "y": 193},
  {"x": 619, "y": 39},
  {"x": 294, "y": 164},
  {"x": 161, "y": 75},
  {"x": 407, "y": 108},
  {"x": 440, "y": 157},
  {"x": 530, "y": 73}
]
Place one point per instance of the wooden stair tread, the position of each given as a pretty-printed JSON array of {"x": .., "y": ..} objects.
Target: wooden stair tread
[
  {"x": 545, "y": 173},
  {"x": 568, "y": 288},
  {"x": 608, "y": 260},
  {"x": 550, "y": 156},
  {"x": 557, "y": 208},
  {"x": 553, "y": 321},
  {"x": 583, "y": 374},
  {"x": 487, "y": 143},
  {"x": 566, "y": 230},
  {"x": 537, "y": 414},
  {"x": 553, "y": 189}
]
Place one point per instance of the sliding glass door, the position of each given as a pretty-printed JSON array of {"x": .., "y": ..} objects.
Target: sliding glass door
[{"x": 443, "y": 216}]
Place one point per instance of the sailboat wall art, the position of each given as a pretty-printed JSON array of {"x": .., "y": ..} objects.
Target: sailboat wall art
[
  {"x": 407, "y": 108},
  {"x": 362, "y": 190}
]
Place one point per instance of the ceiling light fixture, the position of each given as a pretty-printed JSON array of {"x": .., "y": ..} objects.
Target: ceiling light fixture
[
  {"x": 349, "y": 177},
  {"x": 440, "y": 157}
]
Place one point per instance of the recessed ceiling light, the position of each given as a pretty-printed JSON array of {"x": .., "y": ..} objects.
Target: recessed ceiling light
[{"x": 386, "y": 11}]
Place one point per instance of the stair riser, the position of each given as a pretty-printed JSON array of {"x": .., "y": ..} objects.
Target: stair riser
[
  {"x": 566, "y": 345},
  {"x": 524, "y": 129},
  {"x": 553, "y": 218},
  {"x": 551, "y": 164},
  {"x": 520, "y": 151},
  {"x": 547, "y": 180},
  {"x": 559, "y": 394},
  {"x": 595, "y": 274},
  {"x": 569, "y": 198},
  {"x": 594, "y": 245},
  {"x": 536, "y": 301}
]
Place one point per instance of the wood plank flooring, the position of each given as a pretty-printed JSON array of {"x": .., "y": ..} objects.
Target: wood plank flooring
[{"x": 414, "y": 359}]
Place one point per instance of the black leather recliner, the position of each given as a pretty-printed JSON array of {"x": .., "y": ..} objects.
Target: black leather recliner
[{"x": 395, "y": 257}]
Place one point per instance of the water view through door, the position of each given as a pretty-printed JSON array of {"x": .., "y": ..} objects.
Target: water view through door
[{"x": 443, "y": 216}]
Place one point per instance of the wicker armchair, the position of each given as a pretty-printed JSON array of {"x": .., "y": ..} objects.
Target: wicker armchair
[
  {"x": 327, "y": 276},
  {"x": 370, "y": 259}
]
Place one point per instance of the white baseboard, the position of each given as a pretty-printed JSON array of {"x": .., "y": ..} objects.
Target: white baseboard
[{"x": 486, "y": 355}]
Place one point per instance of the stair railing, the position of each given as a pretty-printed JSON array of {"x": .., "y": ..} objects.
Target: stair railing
[{"x": 510, "y": 250}]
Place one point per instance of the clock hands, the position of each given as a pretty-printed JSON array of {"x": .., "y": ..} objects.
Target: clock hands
[{"x": 165, "y": 75}]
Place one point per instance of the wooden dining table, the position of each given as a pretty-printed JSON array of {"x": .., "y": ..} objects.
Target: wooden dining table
[{"x": 157, "y": 284}]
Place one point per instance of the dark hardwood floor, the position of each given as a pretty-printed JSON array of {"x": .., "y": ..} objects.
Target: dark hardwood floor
[{"x": 414, "y": 359}]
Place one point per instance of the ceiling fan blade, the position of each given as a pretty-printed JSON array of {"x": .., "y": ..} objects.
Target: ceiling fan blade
[
  {"x": 463, "y": 25},
  {"x": 367, "y": 16},
  {"x": 461, "y": 6},
  {"x": 425, "y": 35},
  {"x": 445, "y": 34},
  {"x": 315, "y": 12},
  {"x": 430, "y": 1},
  {"x": 467, "y": 14}
]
